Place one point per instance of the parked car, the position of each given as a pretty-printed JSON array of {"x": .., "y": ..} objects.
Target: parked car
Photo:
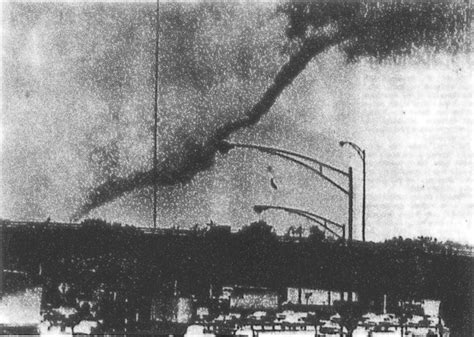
[
  {"x": 257, "y": 315},
  {"x": 329, "y": 328}
]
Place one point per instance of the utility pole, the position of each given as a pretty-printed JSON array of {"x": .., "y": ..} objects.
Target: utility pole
[{"x": 155, "y": 128}]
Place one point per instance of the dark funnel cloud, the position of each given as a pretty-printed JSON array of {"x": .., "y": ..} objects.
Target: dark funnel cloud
[
  {"x": 194, "y": 156},
  {"x": 210, "y": 73}
]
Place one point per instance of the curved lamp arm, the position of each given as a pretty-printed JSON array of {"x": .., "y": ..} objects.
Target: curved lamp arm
[
  {"x": 322, "y": 221},
  {"x": 225, "y": 146}
]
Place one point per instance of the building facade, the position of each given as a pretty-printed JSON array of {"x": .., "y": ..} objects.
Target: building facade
[
  {"x": 322, "y": 297},
  {"x": 254, "y": 299}
]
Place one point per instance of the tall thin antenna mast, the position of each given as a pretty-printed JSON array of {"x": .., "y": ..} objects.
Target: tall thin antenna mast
[{"x": 155, "y": 129}]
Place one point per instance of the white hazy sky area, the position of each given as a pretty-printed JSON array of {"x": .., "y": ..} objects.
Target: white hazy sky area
[{"x": 66, "y": 105}]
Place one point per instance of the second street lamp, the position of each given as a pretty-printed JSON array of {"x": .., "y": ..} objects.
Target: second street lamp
[
  {"x": 321, "y": 221},
  {"x": 361, "y": 154}
]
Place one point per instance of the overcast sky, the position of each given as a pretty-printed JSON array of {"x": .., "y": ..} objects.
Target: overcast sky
[{"x": 78, "y": 107}]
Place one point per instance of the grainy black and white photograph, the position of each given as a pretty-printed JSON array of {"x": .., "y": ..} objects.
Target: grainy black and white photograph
[{"x": 237, "y": 168}]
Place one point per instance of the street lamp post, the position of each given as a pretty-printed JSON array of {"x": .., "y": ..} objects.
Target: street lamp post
[
  {"x": 361, "y": 154},
  {"x": 298, "y": 158}
]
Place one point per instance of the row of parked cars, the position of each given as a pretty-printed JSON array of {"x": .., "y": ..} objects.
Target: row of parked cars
[
  {"x": 371, "y": 324},
  {"x": 263, "y": 317},
  {"x": 415, "y": 321}
]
